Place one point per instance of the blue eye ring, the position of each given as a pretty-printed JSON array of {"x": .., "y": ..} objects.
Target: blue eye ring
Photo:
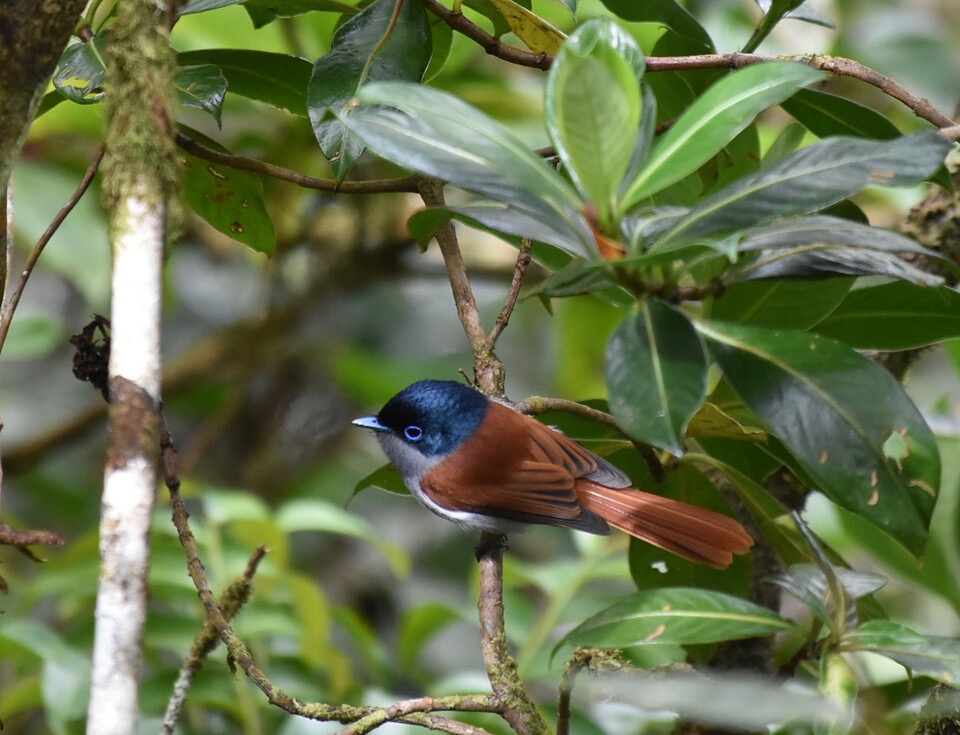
[{"x": 413, "y": 433}]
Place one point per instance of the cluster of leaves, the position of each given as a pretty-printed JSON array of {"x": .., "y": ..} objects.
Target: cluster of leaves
[{"x": 735, "y": 267}]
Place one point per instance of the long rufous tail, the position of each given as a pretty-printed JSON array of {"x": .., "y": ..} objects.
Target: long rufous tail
[{"x": 694, "y": 533}]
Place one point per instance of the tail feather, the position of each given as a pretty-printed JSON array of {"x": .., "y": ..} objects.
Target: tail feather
[{"x": 694, "y": 533}]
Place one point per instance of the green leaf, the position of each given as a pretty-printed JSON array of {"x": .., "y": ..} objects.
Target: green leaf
[
  {"x": 593, "y": 108},
  {"x": 82, "y": 71},
  {"x": 834, "y": 409},
  {"x": 229, "y": 200},
  {"x": 435, "y": 133},
  {"x": 826, "y": 115},
  {"x": 810, "y": 586},
  {"x": 278, "y": 80},
  {"x": 656, "y": 375},
  {"x": 386, "y": 478},
  {"x": 712, "y": 121},
  {"x": 787, "y": 304},
  {"x": 666, "y": 12},
  {"x": 371, "y": 46},
  {"x": 926, "y": 655},
  {"x": 500, "y": 218},
  {"x": 677, "y": 615},
  {"x": 318, "y": 515},
  {"x": 809, "y": 180},
  {"x": 202, "y": 88},
  {"x": 822, "y": 244},
  {"x": 894, "y": 316}
]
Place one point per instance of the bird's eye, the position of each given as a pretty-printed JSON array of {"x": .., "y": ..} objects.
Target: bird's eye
[{"x": 413, "y": 433}]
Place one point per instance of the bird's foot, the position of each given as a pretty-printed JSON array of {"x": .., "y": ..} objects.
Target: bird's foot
[{"x": 490, "y": 542}]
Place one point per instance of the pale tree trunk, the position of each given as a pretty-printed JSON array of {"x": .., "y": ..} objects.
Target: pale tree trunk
[{"x": 139, "y": 182}]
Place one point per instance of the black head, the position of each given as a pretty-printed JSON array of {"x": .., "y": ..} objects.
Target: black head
[{"x": 434, "y": 416}]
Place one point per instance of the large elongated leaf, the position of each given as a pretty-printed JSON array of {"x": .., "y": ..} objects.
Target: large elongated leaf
[
  {"x": 933, "y": 656},
  {"x": 374, "y": 45},
  {"x": 821, "y": 244},
  {"x": 677, "y": 615},
  {"x": 713, "y": 120},
  {"x": 810, "y": 180},
  {"x": 435, "y": 133},
  {"x": 894, "y": 316},
  {"x": 836, "y": 410},
  {"x": 593, "y": 107},
  {"x": 825, "y": 114},
  {"x": 276, "y": 79},
  {"x": 789, "y": 304},
  {"x": 656, "y": 375}
]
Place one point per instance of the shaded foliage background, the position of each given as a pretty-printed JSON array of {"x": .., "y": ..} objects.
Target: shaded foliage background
[{"x": 268, "y": 359}]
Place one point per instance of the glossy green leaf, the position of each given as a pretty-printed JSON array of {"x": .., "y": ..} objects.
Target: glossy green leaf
[
  {"x": 712, "y": 121},
  {"x": 810, "y": 180},
  {"x": 375, "y": 45},
  {"x": 318, "y": 515},
  {"x": 230, "y": 200},
  {"x": 593, "y": 107},
  {"x": 669, "y": 13},
  {"x": 926, "y": 655},
  {"x": 834, "y": 409},
  {"x": 894, "y": 316},
  {"x": 787, "y": 304},
  {"x": 656, "y": 375},
  {"x": 278, "y": 80},
  {"x": 677, "y": 615},
  {"x": 825, "y": 245},
  {"x": 825, "y": 114},
  {"x": 202, "y": 88},
  {"x": 435, "y": 133},
  {"x": 82, "y": 71}
]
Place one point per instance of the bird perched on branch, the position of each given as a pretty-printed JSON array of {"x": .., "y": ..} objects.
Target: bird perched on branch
[{"x": 489, "y": 468}]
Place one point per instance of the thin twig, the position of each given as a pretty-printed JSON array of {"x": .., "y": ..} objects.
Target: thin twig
[
  {"x": 377, "y": 186},
  {"x": 11, "y": 306},
  {"x": 503, "y": 318}
]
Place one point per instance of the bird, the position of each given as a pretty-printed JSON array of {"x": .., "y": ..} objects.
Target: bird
[{"x": 486, "y": 467}]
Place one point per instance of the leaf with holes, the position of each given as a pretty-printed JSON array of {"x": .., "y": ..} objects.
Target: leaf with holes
[
  {"x": 835, "y": 409},
  {"x": 374, "y": 45}
]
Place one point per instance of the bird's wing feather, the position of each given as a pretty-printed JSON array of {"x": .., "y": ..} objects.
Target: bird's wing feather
[{"x": 534, "y": 481}]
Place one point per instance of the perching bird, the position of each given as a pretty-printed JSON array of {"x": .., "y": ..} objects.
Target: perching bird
[{"x": 489, "y": 468}]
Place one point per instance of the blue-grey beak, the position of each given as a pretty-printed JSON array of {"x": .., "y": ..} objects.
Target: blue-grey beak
[{"x": 369, "y": 422}]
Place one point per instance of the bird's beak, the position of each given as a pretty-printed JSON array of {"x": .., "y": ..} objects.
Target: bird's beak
[{"x": 369, "y": 422}]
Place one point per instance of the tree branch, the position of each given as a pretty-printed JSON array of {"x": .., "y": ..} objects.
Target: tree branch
[
  {"x": 378, "y": 186},
  {"x": 835, "y": 65}
]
